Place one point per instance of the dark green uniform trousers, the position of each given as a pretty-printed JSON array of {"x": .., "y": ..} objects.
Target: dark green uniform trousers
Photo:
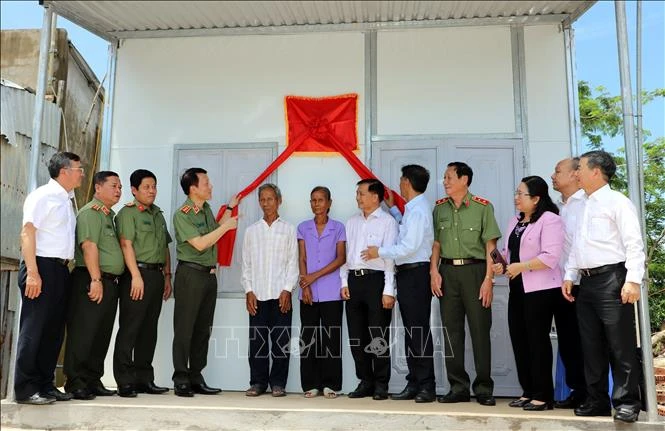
[
  {"x": 137, "y": 333},
  {"x": 195, "y": 296},
  {"x": 89, "y": 328},
  {"x": 461, "y": 288}
]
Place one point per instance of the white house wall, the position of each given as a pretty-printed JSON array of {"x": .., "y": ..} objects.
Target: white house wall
[
  {"x": 547, "y": 98},
  {"x": 230, "y": 89},
  {"x": 449, "y": 80},
  {"x": 218, "y": 90}
]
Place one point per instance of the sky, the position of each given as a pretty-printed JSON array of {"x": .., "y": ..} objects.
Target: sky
[{"x": 595, "y": 45}]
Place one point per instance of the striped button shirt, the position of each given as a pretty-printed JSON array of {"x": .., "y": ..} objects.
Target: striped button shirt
[{"x": 269, "y": 259}]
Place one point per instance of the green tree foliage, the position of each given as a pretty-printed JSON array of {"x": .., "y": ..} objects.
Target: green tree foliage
[{"x": 601, "y": 116}]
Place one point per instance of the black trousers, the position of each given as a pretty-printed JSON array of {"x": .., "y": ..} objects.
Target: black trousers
[
  {"x": 529, "y": 323},
  {"x": 42, "y": 328},
  {"x": 269, "y": 341},
  {"x": 607, "y": 330},
  {"x": 89, "y": 328},
  {"x": 137, "y": 333},
  {"x": 321, "y": 345},
  {"x": 195, "y": 298},
  {"x": 369, "y": 329},
  {"x": 570, "y": 346},
  {"x": 415, "y": 302}
]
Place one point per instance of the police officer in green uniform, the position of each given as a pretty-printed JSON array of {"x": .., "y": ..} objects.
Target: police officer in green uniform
[
  {"x": 465, "y": 232},
  {"x": 94, "y": 294},
  {"x": 195, "y": 284},
  {"x": 144, "y": 241}
]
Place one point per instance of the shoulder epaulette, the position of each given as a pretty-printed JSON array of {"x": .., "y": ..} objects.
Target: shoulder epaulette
[
  {"x": 480, "y": 200},
  {"x": 101, "y": 208},
  {"x": 130, "y": 204},
  {"x": 186, "y": 209},
  {"x": 442, "y": 201}
]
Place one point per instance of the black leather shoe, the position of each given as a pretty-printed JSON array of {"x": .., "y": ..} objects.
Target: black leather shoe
[
  {"x": 101, "y": 391},
  {"x": 531, "y": 407},
  {"x": 363, "y": 390},
  {"x": 520, "y": 402},
  {"x": 56, "y": 394},
  {"x": 127, "y": 391},
  {"x": 407, "y": 393},
  {"x": 203, "y": 389},
  {"x": 83, "y": 394},
  {"x": 380, "y": 394},
  {"x": 626, "y": 414},
  {"x": 486, "y": 400},
  {"x": 452, "y": 397},
  {"x": 36, "y": 400},
  {"x": 425, "y": 396},
  {"x": 592, "y": 410},
  {"x": 150, "y": 388},
  {"x": 183, "y": 390},
  {"x": 571, "y": 402}
]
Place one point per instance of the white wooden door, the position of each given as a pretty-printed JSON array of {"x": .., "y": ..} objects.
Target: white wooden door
[
  {"x": 230, "y": 169},
  {"x": 495, "y": 164}
]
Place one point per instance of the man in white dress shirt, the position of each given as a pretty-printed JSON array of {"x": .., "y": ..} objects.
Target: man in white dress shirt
[
  {"x": 369, "y": 289},
  {"x": 564, "y": 180},
  {"x": 269, "y": 273},
  {"x": 412, "y": 254},
  {"x": 47, "y": 245},
  {"x": 608, "y": 253}
]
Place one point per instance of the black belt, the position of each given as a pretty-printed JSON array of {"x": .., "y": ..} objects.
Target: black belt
[
  {"x": 63, "y": 262},
  {"x": 460, "y": 262},
  {"x": 601, "y": 269},
  {"x": 362, "y": 272},
  {"x": 408, "y": 266},
  {"x": 111, "y": 277},
  {"x": 196, "y": 266},
  {"x": 153, "y": 266}
]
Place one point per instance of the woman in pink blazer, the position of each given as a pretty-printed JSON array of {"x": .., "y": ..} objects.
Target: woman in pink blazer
[{"x": 533, "y": 248}]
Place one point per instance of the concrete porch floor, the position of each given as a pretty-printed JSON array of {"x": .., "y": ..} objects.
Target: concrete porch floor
[{"x": 235, "y": 411}]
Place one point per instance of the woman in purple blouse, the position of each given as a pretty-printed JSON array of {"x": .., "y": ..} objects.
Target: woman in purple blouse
[{"x": 322, "y": 250}]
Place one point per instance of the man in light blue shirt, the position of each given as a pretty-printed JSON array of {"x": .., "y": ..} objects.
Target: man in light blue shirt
[{"x": 412, "y": 254}]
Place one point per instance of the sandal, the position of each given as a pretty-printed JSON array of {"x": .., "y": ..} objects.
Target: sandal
[
  {"x": 278, "y": 391},
  {"x": 311, "y": 393},
  {"x": 255, "y": 391},
  {"x": 329, "y": 393}
]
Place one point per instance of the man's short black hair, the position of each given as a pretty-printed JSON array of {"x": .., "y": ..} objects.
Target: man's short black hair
[
  {"x": 602, "y": 160},
  {"x": 191, "y": 178},
  {"x": 138, "y": 175},
  {"x": 61, "y": 160},
  {"x": 417, "y": 175},
  {"x": 374, "y": 186},
  {"x": 101, "y": 177},
  {"x": 462, "y": 169}
]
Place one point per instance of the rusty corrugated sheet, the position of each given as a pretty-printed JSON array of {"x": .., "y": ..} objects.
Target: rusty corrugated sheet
[
  {"x": 16, "y": 127},
  {"x": 18, "y": 107}
]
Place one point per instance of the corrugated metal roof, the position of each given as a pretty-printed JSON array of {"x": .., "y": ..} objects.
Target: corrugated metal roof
[
  {"x": 18, "y": 107},
  {"x": 128, "y": 19}
]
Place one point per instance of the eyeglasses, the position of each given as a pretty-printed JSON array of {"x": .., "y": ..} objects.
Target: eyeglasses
[
  {"x": 520, "y": 194},
  {"x": 77, "y": 169}
]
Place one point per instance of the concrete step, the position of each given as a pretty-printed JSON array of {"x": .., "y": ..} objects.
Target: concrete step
[{"x": 233, "y": 410}]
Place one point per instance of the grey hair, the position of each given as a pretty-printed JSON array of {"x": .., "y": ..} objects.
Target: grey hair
[
  {"x": 61, "y": 160},
  {"x": 601, "y": 160},
  {"x": 272, "y": 187}
]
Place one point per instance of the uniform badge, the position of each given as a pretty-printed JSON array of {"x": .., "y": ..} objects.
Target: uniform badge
[
  {"x": 196, "y": 209},
  {"x": 186, "y": 209},
  {"x": 442, "y": 201}
]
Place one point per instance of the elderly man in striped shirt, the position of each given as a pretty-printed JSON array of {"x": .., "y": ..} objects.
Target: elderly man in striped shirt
[{"x": 269, "y": 273}]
